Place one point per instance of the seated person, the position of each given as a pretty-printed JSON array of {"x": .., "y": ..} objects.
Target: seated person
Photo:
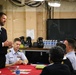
[
  {"x": 56, "y": 68},
  {"x": 70, "y": 49},
  {"x": 70, "y": 46},
  {"x": 65, "y": 59},
  {"x": 15, "y": 56}
]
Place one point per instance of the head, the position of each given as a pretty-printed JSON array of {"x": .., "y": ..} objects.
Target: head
[
  {"x": 70, "y": 44},
  {"x": 3, "y": 18},
  {"x": 56, "y": 54},
  {"x": 16, "y": 44},
  {"x": 62, "y": 45},
  {"x": 75, "y": 45}
]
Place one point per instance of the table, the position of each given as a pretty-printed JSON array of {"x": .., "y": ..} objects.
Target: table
[
  {"x": 36, "y": 55},
  {"x": 35, "y": 49},
  {"x": 33, "y": 70}
]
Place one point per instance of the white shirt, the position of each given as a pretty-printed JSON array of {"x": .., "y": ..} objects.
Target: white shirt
[
  {"x": 71, "y": 56},
  {"x": 13, "y": 56}
]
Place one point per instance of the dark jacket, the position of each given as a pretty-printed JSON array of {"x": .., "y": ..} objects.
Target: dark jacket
[
  {"x": 56, "y": 69},
  {"x": 3, "y": 50},
  {"x": 3, "y": 38},
  {"x": 67, "y": 62}
]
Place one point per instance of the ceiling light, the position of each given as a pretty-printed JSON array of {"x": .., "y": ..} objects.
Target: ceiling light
[
  {"x": 37, "y": 0},
  {"x": 54, "y": 4},
  {"x": 22, "y": 1}
]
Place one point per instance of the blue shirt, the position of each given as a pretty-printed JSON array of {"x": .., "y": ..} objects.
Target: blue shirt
[{"x": 13, "y": 56}]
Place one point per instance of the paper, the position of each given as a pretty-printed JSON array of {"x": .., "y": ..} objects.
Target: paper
[
  {"x": 40, "y": 66},
  {"x": 30, "y": 33}
]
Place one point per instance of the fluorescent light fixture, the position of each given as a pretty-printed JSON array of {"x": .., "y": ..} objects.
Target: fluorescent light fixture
[
  {"x": 37, "y": 0},
  {"x": 54, "y": 4},
  {"x": 22, "y": 1}
]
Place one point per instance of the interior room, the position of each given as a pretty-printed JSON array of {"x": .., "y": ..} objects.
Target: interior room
[
  {"x": 24, "y": 18},
  {"x": 42, "y": 22}
]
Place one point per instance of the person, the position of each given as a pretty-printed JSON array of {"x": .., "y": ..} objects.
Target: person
[
  {"x": 4, "y": 43},
  {"x": 70, "y": 46},
  {"x": 15, "y": 56},
  {"x": 65, "y": 59},
  {"x": 56, "y": 68}
]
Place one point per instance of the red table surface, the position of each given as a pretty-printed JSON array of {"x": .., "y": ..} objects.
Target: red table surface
[{"x": 34, "y": 71}]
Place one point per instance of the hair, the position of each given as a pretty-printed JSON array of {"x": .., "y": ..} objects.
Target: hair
[
  {"x": 62, "y": 45},
  {"x": 17, "y": 39},
  {"x": 56, "y": 54},
  {"x": 1, "y": 13},
  {"x": 71, "y": 42},
  {"x": 75, "y": 42}
]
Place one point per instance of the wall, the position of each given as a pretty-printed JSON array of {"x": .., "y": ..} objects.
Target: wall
[
  {"x": 67, "y": 10},
  {"x": 21, "y": 19}
]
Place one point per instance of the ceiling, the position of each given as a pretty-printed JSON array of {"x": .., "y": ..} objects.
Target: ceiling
[
  {"x": 63, "y": 0},
  {"x": 69, "y": 0},
  {"x": 32, "y": 3},
  {"x": 54, "y": 0}
]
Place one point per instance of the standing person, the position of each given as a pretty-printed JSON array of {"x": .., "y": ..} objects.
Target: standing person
[
  {"x": 15, "y": 56},
  {"x": 4, "y": 44},
  {"x": 56, "y": 68}
]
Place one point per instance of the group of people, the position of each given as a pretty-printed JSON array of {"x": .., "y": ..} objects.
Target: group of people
[
  {"x": 62, "y": 57},
  {"x": 14, "y": 56}
]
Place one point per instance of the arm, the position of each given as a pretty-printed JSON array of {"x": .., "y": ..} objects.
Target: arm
[
  {"x": 7, "y": 65},
  {"x": 0, "y": 44},
  {"x": 20, "y": 62},
  {"x": 17, "y": 62},
  {"x": 7, "y": 61},
  {"x": 24, "y": 58},
  {"x": 4, "y": 42}
]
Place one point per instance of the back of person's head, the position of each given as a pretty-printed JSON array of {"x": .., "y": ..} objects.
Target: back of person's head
[
  {"x": 56, "y": 54},
  {"x": 71, "y": 42},
  {"x": 62, "y": 45},
  {"x": 17, "y": 39}
]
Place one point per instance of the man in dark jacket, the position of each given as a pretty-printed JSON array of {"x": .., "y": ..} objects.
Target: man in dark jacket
[
  {"x": 4, "y": 44},
  {"x": 56, "y": 68},
  {"x": 65, "y": 59}
]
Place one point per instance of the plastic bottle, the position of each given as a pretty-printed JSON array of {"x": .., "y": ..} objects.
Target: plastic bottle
[
  {"x": 17, "y": 71},
  {"x": 52, "y": 43}
]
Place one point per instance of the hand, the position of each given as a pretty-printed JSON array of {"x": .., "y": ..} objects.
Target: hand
[
  {"x": 7, "y": 43},
  {"x": 10, "y": 45},
  {"x": 19, "y": 62}
]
